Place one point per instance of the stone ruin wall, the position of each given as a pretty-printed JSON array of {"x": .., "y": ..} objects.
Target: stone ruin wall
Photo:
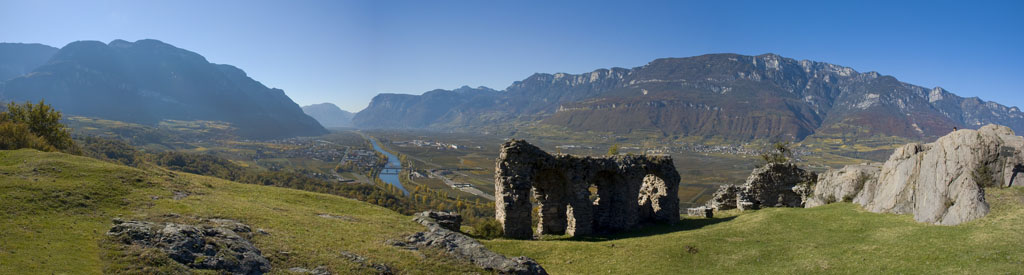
[{"x": 631, "y": 190}]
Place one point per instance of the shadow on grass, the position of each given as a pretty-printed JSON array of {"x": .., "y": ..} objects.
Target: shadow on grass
[{"x": 651, "y": 230}]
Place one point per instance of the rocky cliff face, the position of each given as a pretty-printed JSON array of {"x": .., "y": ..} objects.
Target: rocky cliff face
[
  {"x": 729, "y": 95},
  {"x": 941, "y": 182},
  {"x": 148, "y": 81}
]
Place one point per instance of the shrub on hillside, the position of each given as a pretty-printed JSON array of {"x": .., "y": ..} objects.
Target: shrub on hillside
[
  {"x": 488, "y": 229},
  {"x": 17, "y": 136},
  {"x": 110, "y": 150},
  {"x": 42, "y": 121}
]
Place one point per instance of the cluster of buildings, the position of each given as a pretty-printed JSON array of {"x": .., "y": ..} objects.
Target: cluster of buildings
[
  {"x": 360, "y": 158},
  {"x": 428, "y": 143},
  {"x": 307, "y": 148},
  {"x": 734, "y": 150},
  {"x": 720, "y": 149},
  {"x": 574, "y": 146}
]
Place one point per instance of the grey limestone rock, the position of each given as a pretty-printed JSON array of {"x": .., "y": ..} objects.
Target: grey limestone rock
[
  {"x": 939, "y": 182},
  {"x": 842, "y": 184},
  {"x": 448, "y": 220},
  {"x": 216, "y": 247},
  {"x": 381, "y": 269},
  {"x": 463, "y": 247}
]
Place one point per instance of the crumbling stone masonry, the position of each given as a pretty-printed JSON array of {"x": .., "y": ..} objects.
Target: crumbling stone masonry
[{"x": 630, "y": 190}]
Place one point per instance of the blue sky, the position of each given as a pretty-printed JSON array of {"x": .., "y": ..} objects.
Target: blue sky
[{"x": 345, "y": 52}]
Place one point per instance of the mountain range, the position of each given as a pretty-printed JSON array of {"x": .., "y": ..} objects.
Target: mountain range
[
  {"x": 724, "y": 95},
  {"x": 17, "y": 59},
  {"x": 148, "y": 81},
  {"x": 329, "y": 115}
]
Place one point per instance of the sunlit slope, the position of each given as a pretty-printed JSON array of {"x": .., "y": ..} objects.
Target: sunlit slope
[
  {"x": 837, "y": 238},
  {"x": 55, "y": 210}
]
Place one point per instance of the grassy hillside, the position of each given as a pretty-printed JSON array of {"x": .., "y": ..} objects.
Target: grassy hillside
[
  {"x": 838, "y": 238},
  {"x": 56, "y": 208}
]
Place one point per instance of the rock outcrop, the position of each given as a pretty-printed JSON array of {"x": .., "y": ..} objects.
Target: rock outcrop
[
  {"x": 942, "y": 182},
  {"x": 463, "y": 247},
  {"x": 447, "y": 220},
  {"x": 218, "y": 245},
  {"x": 842, "y": 184},
  {"x": 382, "y": 269},
  {"x": 631, "y": 190},
  {"x": 773, "y": 185}
]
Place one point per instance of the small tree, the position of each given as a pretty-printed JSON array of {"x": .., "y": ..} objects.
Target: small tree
[
  {"x": 614, "y": 150},
  {"x": 43, "y": 121},
  {"x": 779, "y": 153},
  {"x": 17, "y": 135}
]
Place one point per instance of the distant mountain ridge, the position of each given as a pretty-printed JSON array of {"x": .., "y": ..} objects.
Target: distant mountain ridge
[
  {"x": 329, "y": 115},
  {"x": 148, "y": 81},
  {"x": 729, "y": 95},
  {"x": 17, "y": 59}
]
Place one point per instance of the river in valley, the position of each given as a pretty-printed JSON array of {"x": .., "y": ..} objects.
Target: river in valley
[{"x": 390, "y": 172}]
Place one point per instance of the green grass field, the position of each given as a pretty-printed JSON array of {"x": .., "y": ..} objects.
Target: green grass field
[
  {"x": 836, "y": 239},
  {"x": 55, "y": 209}
]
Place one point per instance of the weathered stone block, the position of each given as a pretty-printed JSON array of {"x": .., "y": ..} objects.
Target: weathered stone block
[{"x": 703, "y": 212}]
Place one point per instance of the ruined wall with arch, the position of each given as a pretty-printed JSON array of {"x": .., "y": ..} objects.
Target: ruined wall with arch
[{"x": 630, "y": 190}]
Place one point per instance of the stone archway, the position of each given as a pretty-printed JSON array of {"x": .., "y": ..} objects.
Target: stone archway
[
  {"x": 550, "y": 190},
  {"x": 613, "y": 205},
  {"x": 655, "y": 201},
  {"x": 630, "y": 190}
]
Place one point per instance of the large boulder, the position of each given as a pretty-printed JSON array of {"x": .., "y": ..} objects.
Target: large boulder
[
  {"x": 773, "y": 185},
  {"x": 942, "y": 182},
  {"x": 842, "y": 184},
  {"x": 218, "y": 245}
]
